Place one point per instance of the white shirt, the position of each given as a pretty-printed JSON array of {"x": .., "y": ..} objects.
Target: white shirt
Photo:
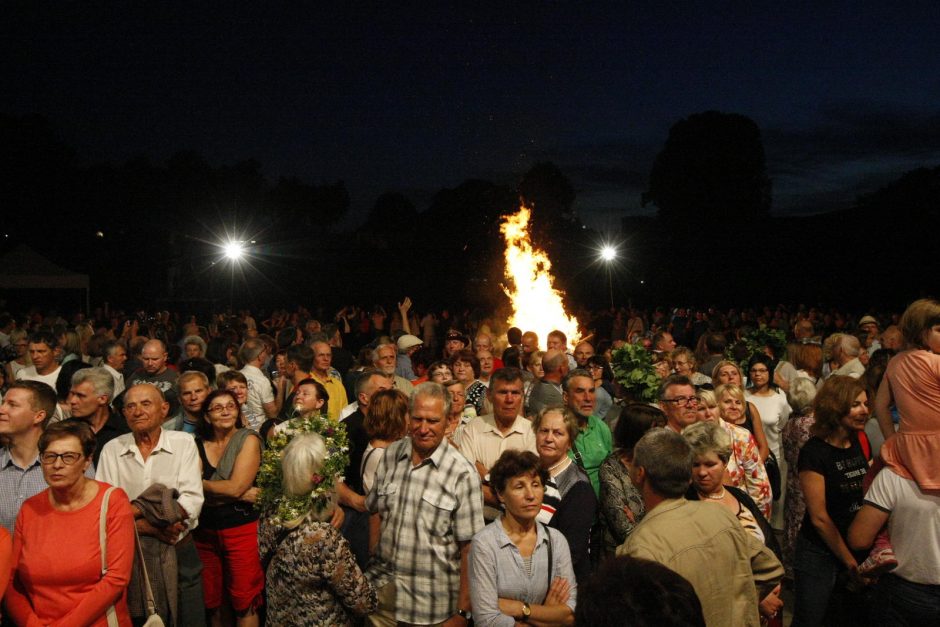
[
  {"x": 914, "y": 525},
  {"x": 29, "y": 374},
  {"x": 774, "y": 412},
  {"x": 260, "y": 393},
  {"x": 174, "y": 462},
  {"x": 349, "y": 410},
  {"x": 118, "y": 380}
]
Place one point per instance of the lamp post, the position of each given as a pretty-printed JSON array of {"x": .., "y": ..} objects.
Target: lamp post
[{"x": 608, "y": 256}]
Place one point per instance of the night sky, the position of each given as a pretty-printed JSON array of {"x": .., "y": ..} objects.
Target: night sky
[{"x": 419, "y": 98}]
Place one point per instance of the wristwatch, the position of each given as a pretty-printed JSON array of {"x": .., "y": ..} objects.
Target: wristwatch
[
  {"x": 526, "y": 612},
  {"x": 465, "y": 614}
]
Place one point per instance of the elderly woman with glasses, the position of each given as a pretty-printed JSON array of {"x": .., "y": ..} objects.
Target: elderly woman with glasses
[
  {"x": 65, "y": 570},
  {"x": 227, "y": 536}
]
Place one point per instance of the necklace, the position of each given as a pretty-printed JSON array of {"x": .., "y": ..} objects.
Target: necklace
[
  {"x": 564, "y": 460},
  {"x": 717, "y": 497}
]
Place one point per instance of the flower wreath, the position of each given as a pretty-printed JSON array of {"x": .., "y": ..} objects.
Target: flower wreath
[{"x": 272, "y": 501}]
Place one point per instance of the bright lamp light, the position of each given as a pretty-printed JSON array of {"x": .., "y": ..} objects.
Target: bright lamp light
[
  {"x": 608, "y": 253},
  {"x": 234, "y": 250}
]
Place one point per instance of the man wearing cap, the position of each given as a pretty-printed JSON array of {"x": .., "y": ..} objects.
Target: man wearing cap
[
  {"x": 455, "y": 342},
  {"x": 407, "y": 345},
  {"x": 870, "y": 326}
]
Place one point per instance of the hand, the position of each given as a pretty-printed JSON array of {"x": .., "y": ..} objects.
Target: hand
[
  {"x": 250, "y": 495},
  {"x": 455, "y": 621},
  {"x": 404, "y": 306},
  {"x": 558, "y": 592},
  {"x": 771, "y": 604},
  {"x": 338, "y": 517}
]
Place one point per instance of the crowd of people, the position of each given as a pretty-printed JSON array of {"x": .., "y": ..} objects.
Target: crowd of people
[{"x": 440, "y": 469}]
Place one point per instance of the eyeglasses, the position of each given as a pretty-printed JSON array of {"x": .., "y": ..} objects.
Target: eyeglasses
[
  {"x": 69, "y": 458},
  {"x": 682, "y": 400},
  {"x": 218, "y": 408}
]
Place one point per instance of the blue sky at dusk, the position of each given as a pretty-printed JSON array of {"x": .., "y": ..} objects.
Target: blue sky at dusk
[{"x": 413, "y": 97}]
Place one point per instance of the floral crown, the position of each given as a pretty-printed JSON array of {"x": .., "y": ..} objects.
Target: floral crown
[{"x": 281, "y": 507}]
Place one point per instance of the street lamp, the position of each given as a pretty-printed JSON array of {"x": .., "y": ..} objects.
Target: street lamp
[
  {"x": 234, "y": 250},
  {"x": 608, "y": 256}
]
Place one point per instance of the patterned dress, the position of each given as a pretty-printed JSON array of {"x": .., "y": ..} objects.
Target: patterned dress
[
  {"x": 618, "y": 492},
  {"x": 795, "y": 435},
  {"x": 745, "y": 469},
  {"x": 313, "y": 578}
]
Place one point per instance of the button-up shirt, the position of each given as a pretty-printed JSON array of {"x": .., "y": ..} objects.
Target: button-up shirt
[
  {"x": 16, "y": 485},
  {"x": 20, "y": 483},
  {"x": 482, "y": 441},
  {"x": 174, "y": 462},
  {"x": 426, "y": 511}
]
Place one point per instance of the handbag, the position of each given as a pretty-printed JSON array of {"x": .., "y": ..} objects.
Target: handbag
[
  {"x": 111, "y": 613},
  {"x": 153, "y": 619}
]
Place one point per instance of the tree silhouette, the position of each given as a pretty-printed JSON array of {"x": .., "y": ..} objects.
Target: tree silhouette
[{"x": 712, "y": 167}]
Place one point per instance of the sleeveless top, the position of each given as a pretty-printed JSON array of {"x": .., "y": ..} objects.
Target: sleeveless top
[{"x": 225, "y": 515}]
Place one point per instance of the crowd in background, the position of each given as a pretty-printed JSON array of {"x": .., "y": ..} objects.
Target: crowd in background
[{"x": 541, "y": 482}]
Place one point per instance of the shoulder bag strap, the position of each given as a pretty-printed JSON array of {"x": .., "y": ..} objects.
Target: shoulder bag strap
[
  {"x": 578, "y": 459},
  {"x": 551, "y": 563},
  {"x": 151, "y": 605},
  {"x": 103, "y": 542}
]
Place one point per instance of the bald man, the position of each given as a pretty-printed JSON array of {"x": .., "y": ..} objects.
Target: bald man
[{"x": 154, "y": 357}]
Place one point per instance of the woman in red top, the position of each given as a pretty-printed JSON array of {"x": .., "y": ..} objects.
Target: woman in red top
[{"x": 57, "y": 578}]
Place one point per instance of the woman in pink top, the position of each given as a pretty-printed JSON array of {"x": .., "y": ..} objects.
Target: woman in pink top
[
  {"x": 57, "y": 574},
  {"x": 912, "y": 383}
]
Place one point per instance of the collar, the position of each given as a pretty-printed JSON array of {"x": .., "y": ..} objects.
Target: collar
[
  {"x": 6, "y": 460},
  {"x": 489, "y": 425},
  {"x": 502, "y": 538},
  {"x": 666, "y": 506},
  {"x": 436, "y": 458},
  {"x": 163, "y": 444},
  {"x": 327, "y": 379}
]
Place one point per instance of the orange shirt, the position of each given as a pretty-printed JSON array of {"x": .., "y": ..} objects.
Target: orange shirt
[{"x": 57, "y": 562}]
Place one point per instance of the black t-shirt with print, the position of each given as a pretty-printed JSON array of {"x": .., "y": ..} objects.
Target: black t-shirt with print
[{"x": 844, "y": 470}]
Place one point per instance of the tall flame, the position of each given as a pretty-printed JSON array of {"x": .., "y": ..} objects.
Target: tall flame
[{"x": 536, "y": 304}]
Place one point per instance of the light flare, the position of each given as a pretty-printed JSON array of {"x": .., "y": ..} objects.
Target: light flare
[{"x": 536, "y": 304}]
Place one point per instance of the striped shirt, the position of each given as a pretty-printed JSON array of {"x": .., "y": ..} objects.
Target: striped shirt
[{"x": 426, "y": 511}]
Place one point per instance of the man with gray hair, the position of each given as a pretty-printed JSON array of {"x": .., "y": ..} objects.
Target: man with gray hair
[
  {"x": 428, "y": 497},
  {"x": 89, "y": 400},
  {"x": 193, "y": 346},
  {"x": 261, "y": 400},
  {"x": 701, "y": 541},
  {"x": 385, "y": 359},
  {"x": 845, "y": 354},
  {"x": 115, "y": 356}
]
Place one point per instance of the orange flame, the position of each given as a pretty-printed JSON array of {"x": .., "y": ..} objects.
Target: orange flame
[{"x": 536, "y": 305}]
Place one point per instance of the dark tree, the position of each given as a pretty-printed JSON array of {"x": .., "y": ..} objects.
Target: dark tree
[
  {"x": 551, "y": 196},
  {"x": 712, "y": 167},
  {"x": 391, "y": 213}
]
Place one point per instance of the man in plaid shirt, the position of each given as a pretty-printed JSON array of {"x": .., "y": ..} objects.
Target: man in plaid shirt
[{"x": 429, "y": 498}]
